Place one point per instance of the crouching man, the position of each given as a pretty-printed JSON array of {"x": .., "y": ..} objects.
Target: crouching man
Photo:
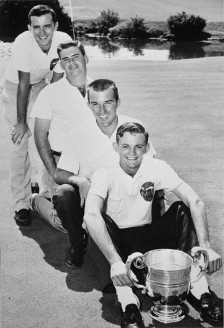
[{"x": 118, "y": 217}]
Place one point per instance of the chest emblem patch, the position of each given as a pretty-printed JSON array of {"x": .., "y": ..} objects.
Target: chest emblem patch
[{"x": 147, "y": 191}]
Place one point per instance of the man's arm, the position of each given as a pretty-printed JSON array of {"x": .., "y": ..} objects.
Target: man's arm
[
  {"x": 56, "y": 76},
  {"x": 21, "y": 127},
  {"x": 65, "y": 177},
  {"x": 41, "y": 129},
  {"x": 98, "y": 231},
  {"x": 197, "y": 208}
]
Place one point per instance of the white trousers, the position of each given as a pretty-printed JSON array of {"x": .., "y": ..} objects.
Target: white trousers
[
  {"x": 20, "y": 161},
  {"x": 45, "y": 209}
]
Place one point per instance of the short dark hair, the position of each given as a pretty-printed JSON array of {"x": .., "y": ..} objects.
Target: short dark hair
[
  {"x": 131, "y": 127},
  {"x": 41, "y": 10},
  {"x": 69, "y": 44},
  {"x": 102, "y": 85}
]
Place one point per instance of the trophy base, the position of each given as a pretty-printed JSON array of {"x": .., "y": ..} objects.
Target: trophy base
[{"x": 167, "y": 314}]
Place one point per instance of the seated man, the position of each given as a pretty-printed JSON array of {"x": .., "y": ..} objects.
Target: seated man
[
  {"x": 58, "y": 108},
  {"x": 67, "y": 210},
  {"x": 118, "y": 218}
]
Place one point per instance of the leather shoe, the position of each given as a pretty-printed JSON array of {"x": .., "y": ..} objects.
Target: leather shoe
[
  {"x": 22, "y": 217},
  {"x": 132, "y": 318},
  {"x": 109, "y": 289},
  {"x": 207, "y": 306},
  {"x": 74, "y": 258}
]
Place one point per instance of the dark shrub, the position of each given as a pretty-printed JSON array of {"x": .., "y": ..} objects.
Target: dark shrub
[
  {"x": 108, "y": 19},
  {"x": 13, "y": 16},
  {"x": 133, "y": 28},
  {"x": 186, "y": 27},
  {"x": 86, "y": 26}
]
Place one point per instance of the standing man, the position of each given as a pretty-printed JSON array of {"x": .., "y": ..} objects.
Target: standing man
[
  {"x": 118, "y": 215},
  {"x": 33, "y": 57}
]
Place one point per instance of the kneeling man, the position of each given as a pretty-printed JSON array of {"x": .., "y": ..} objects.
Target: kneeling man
[{"x": 118, "y": 217}]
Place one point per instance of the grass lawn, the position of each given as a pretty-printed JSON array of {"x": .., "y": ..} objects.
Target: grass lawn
[{"x": 181, "y": 105}]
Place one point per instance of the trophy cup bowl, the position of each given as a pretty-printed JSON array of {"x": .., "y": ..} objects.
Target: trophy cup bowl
[{"x": 166, "y": 274}]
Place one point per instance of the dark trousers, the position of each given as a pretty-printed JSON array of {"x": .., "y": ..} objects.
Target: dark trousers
[
  {"x": 173, "y": 230},
  {"x": 67, "y": 204}
]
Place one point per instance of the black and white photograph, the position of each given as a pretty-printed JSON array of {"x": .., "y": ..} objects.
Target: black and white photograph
[{"x": 111, "y": 163}]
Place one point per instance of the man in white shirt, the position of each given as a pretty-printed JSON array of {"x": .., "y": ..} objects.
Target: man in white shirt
[
  {"x": 118, "y": 216},
  {"x": 34, "y": 54},
  {"x": 59, "y": 108},
  {"x": 81, "y": 154}
]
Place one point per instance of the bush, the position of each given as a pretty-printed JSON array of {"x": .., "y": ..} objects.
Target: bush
[
  {"x": 186, "y": 27},
  {"x": 14, "y": 16},
  {"x": 85, "y": 26},
  {"x": 134, "y": 28},
  {"x": 108, "y": 19}
]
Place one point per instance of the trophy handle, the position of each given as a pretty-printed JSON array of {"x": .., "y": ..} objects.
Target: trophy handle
[
  {"x": 196, "y": 253},
  {"x": 138, "y": 259}
]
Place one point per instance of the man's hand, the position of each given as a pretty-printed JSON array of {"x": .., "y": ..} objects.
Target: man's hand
[
  {"x": 84, "y": 186},
  {"x": 215, "y": 261},
  {"x": 18, "y": 132},
  {"x": 118, "y": 273}
]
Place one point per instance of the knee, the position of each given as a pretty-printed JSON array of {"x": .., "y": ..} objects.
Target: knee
[
  {"x": 179, "y": 206},
  {"x": 65, "y": 195}
]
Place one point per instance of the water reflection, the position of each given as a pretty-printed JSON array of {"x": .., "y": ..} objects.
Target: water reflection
[
  {"x": 150, "y": 50},
  {"x": 108, "y": 48},
  {"x": 103, "y": 48},
  {"x": 184, "y": 50}
]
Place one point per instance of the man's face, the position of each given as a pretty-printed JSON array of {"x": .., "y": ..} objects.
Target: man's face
[
  {"x": 73, "y": 62},
  {"x": 43, "y": 29},
  {"x": 131, "y": 149},
  {"x": 104, "y": 106}
]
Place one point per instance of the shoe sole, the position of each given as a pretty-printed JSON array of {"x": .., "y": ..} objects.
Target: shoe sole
[
  {"x": 73, "y": 266},
  {"x": 197, "y": 307},
  {"x": 23, "y": 224}
]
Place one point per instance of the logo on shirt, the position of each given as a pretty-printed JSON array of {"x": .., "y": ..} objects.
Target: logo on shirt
[
  {"x": 147, "y": 191},
  {"x": 53, "y": 63}
]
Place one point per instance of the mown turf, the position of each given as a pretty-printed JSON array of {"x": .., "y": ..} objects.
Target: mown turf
[{"x": 181, "y": 104}]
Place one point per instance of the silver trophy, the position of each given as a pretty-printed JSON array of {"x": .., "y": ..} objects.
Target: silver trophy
[{"x": 167, "y": 274}]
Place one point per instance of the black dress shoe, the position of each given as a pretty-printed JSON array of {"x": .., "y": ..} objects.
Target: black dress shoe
[
  {"x": 109, "y": 289},
  {"x": 22, "y": 217},
  {"x": 74, "y": 258},
  {"x": 207, "y": 306},
  {"x": 132, "y": 318}
]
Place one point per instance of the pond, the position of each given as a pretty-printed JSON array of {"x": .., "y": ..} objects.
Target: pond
[
  {"x": 103, "y": 48},
  {"x": 150, "y": 50}
]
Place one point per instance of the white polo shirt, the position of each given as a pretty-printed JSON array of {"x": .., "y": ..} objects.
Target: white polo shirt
[
  {"x": 64, "y": 105},
  {"x": 128, "y": 201},
  {"x": 28, "y": 57},
  {"x": 82, "y": 155}
]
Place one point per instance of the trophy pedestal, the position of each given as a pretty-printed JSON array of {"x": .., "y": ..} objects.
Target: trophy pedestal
[{"x": 167, "y": 313}]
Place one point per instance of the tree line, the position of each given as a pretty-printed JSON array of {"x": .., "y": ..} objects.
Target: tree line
[{"x": 182, "y": 26}]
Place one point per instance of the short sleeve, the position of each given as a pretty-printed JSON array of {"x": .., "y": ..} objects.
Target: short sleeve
[
  {"x": 167, "y": 177},
  {"x": 20, "y": 59},
  {"x": 42, "y": 107},
  {"x": 100, "y": 184}
]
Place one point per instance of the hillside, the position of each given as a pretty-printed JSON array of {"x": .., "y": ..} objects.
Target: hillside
[{"x": 154, "y": 10}]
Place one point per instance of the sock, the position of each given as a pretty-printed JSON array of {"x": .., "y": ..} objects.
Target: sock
[
  {"x": 199, "y": 286},
  {"x": 126, "y": 296}
]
